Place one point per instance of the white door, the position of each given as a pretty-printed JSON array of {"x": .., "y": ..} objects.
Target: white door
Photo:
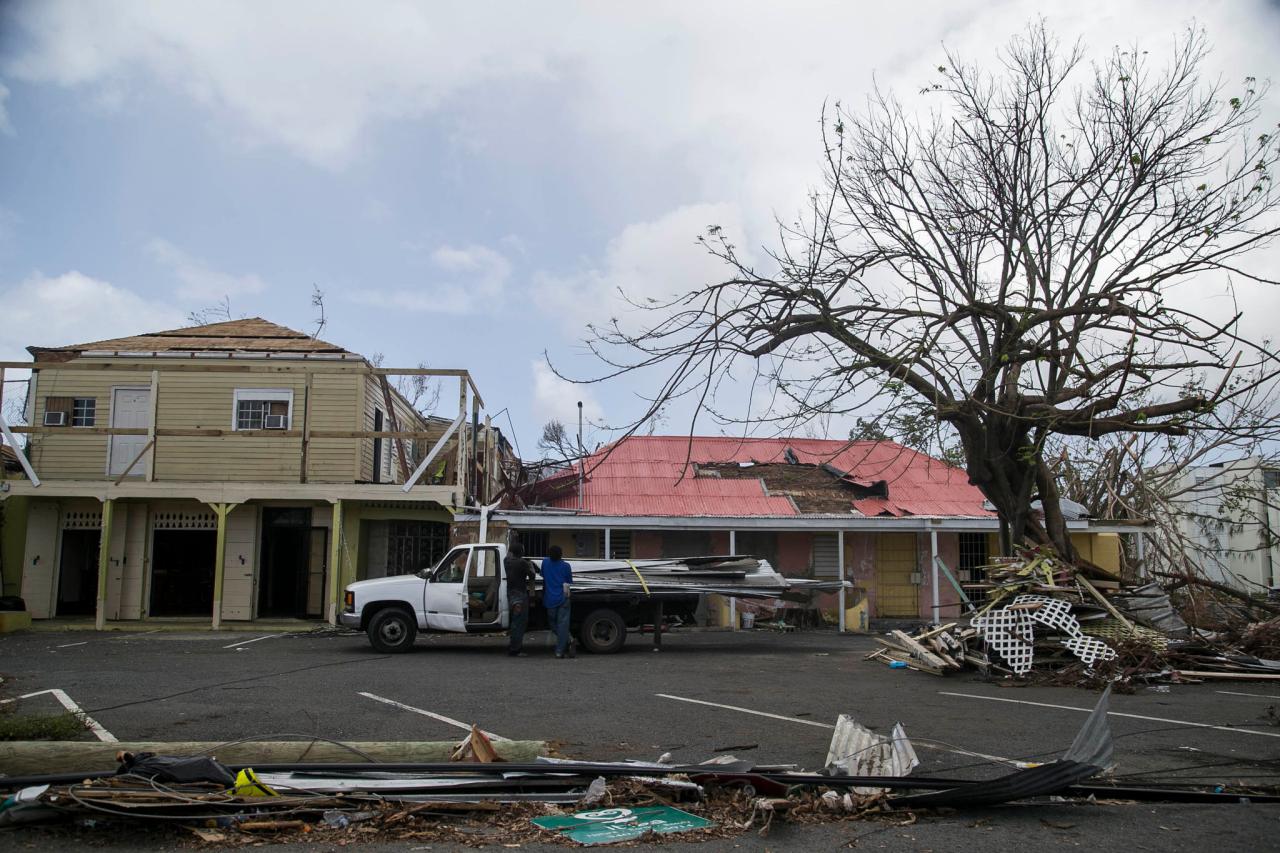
[
  {"x": 445, "y": 594},
  {"x": 130, "y": 409}
]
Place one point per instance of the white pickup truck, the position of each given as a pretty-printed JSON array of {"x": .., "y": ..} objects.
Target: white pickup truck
[{"x": 466, "y": 592}]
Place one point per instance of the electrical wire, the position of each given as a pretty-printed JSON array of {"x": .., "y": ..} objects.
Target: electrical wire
[
  {"x": 302, "y": 737},
  {"x": 235, "y": 681}
]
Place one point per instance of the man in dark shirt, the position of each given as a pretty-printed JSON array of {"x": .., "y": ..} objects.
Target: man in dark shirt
[
  {"x": 519, "y": 572},
  {"x": 556, "y": 577}
]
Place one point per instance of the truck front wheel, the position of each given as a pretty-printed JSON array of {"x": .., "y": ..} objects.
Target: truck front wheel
[
  {"x": 392, "y": 630},
  {"x": 603, "y": 632}
]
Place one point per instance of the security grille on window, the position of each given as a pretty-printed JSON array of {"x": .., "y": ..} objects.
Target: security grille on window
[
  {"x": 534, "y": 542},
  {"x": 84, "y": 411},
  {"x": 973, "y": 556},
  {"x": 265, "y": 409},
  {"x": 414, "y": 545}
]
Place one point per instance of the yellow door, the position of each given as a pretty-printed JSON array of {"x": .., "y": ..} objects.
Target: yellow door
[{"x": 896, "y": 595}]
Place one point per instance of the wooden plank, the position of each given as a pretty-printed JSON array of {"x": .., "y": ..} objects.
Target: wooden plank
[
  {"x": 932, "y": 632},
  {"x": 1230, "y": 676},
  {"x": 918, "y": 650},
  {"x": 1102, "y": 599},
  {"x": 306, "y": 429},
  {"x": 151, "y": 426}
]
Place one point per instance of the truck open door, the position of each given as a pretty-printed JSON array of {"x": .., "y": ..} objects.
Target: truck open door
[
  {"x": 486, "y": 592},
  {"x": 445, "y": 593}
]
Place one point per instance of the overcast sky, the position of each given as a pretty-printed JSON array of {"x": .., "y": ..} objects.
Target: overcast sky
[{"x": 468, "y": 183}]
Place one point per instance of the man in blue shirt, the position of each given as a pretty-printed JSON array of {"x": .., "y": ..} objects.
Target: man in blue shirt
[{"x": 556, "y": 577}]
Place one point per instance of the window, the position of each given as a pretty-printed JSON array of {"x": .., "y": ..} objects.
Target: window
[
  {"x": 534, "y": 542},
  {"x": 1271, "y": 478},
  {"x": 620, "y": 544},
  {"x": 586, "y": 544},
  {"x": 415, "y": 545},
  {"x": 83, "y": 411},
  {"x": 263, "y": 408},
  {"x": 973, "y": 556}
]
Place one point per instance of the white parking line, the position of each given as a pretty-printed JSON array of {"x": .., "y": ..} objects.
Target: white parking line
[
  {"x": 254, "y": 640},
  {"x": 94, "y": 726},
  {"x": 1114, "y": 714},
  {"x": 69, "y": 645},
  {"x": 813, "y": 723},
  {"x": 923, "y": 744},
  {"x": 441, "y": 717},
  {"x": 1237, "y": 693}
]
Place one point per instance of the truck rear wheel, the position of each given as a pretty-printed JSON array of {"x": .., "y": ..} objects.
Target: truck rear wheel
[
  {"x": 603, "y": 632},
  {"x": 392, "y": 631}
]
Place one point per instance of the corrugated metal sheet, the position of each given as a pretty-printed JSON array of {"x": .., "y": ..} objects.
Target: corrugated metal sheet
[{"x": 655, "y": 476}]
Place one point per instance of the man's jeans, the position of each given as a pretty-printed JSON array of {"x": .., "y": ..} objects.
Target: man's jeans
[
  {"x": 558, "y": 621},
  {"x": 519, "y": 603}
]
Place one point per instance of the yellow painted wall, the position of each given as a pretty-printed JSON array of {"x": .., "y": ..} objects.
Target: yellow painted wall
[{"x": 199, "y": 400}]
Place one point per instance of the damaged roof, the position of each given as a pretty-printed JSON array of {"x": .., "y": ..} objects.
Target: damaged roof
[
  {"x": 251, "y": 334},
  {"x": 733, "y": 477}
]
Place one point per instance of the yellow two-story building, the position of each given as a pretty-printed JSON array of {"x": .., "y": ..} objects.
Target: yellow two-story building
[{"x": 234, "y": 471}]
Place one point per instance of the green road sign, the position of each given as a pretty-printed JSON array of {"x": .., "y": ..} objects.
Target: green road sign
[{"x": 605, "y": 826}]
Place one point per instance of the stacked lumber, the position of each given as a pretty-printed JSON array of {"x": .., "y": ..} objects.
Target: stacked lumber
[{"x": 937, "y": 650}]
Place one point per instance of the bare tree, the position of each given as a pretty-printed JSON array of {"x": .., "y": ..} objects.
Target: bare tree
[
  {"x": 422, "y": 391},
  {"x": 217, "y": 313},
  {"x": 1011, "y": 261},
  {"x": 556, "y": 445},
  {"x": 317, "y": 302}
]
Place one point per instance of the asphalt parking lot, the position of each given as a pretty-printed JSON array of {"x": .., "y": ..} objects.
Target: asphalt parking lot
[{"x": 768, "y": 697}]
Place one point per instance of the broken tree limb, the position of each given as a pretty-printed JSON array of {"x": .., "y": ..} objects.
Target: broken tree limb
[{"x": 1185, "y": 578}]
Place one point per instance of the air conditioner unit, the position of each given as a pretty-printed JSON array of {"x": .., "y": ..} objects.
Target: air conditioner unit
[
  {"x": 275, "y": 422},
  {"x": 55, "y": 418}
]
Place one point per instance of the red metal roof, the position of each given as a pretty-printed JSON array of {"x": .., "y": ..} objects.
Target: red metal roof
[{"x": 647, "y": 476}]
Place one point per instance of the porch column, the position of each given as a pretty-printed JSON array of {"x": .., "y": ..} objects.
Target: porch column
[
  {"x": 335, "y": 562},
  {"x": 1142, "y": 555},
  {"x": 608, "y": 551},
  {"x": 733, "y": 602},
  {"x": 104, "y": 556},
  {"x": 933, "y": 566},
  {"x": 219, "y": 560},
  {"x": 840, "y": 573}
]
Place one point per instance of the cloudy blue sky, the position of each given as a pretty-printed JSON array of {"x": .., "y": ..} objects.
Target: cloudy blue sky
[{"x": 468, "y": 183}]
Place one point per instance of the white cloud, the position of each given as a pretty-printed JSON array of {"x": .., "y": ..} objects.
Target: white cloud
[
  {"x": 647, "y": 262},
  {"x": 6, "y": 126},
  {"x": 557, "y": 399},
  {"x": 197, "y": 279},
  {"x": 464, "y": 280},
  {"x": 75, "y": 308}
]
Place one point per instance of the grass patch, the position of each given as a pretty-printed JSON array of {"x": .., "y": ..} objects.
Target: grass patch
[{"x": 65, "y": 726}]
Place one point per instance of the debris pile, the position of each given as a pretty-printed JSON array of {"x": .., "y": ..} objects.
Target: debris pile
[
  {"x": 486, "y": 800},
  {"x": 1076, "y": 624}
]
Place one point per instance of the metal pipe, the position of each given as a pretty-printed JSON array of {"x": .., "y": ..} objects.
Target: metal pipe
[{"x": 582, "y": 461}]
